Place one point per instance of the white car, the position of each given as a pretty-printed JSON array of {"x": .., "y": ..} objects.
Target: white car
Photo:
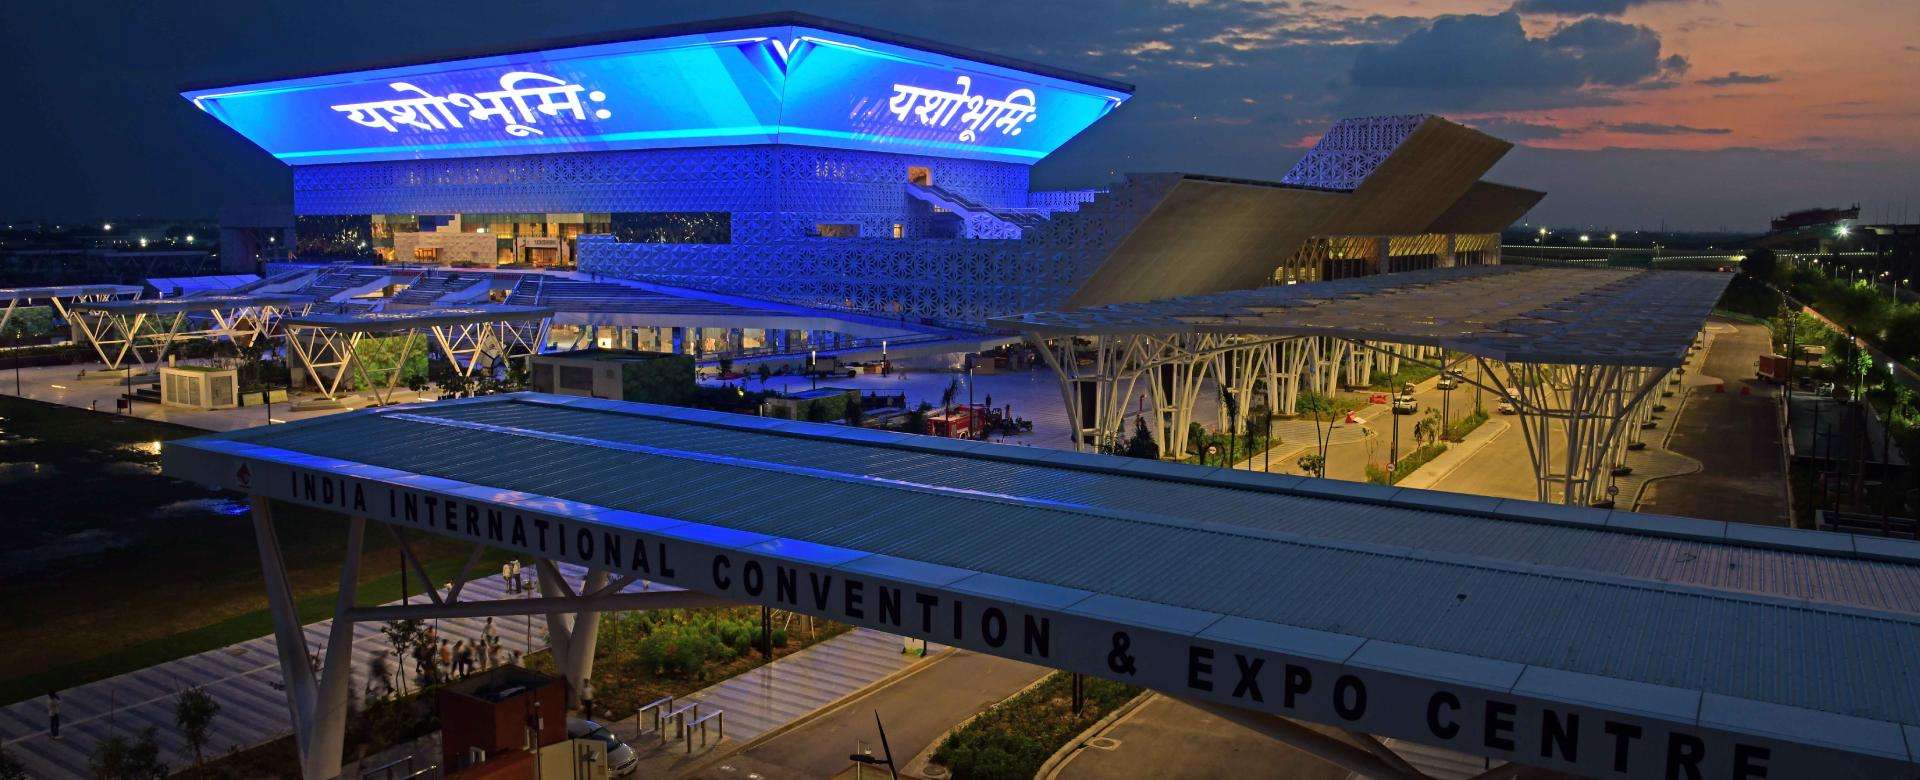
[
  {"x": 1405, "y": 404},
  {"x": 1507, "y": 406},
  {"x": 621, "y": 760}
]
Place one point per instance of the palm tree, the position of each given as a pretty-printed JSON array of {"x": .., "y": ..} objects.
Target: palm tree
[{"x": 193, "y": 712}]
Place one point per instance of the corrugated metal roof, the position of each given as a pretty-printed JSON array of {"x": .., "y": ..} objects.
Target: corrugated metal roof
[
  {"x": 1610, "y": 316},
  {"x": 1820, "y": 621}
]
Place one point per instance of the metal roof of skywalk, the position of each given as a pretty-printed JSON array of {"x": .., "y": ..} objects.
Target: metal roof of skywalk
[
  {"x": 1406, "y": 613},
  {"x": 409, "y": 319},
  {"x": 1607, "y": 316},
  {"x": 67, "y": 291},
  {"x": 191, "y": 304}
]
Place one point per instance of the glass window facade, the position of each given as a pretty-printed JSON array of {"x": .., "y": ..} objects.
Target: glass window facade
[{"x": 499, "y": 239}]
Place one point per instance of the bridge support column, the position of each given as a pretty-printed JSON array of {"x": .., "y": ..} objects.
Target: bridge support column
[
  {"x": 572, "y": 636},
  {"x": 318, "y": 708}
]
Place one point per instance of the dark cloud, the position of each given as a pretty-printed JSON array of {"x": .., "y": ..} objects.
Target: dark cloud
[
  {"x": 1736, "y": 77},
  {"x": 1695, "y": 189},
  {"x": 1581, "y": 7},
  {"x": 1472, "y": 62},
  {"x": 1655, "y": 128}
]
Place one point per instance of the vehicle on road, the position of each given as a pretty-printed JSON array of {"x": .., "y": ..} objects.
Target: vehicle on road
[
  {"x": 1405, "y": 403},
  {"x": 1406, "y": 389},
  {"x": 621, "y": 760},
  {"x": 1447, "y": 383},
  {"x": 1507, "y": 406}
]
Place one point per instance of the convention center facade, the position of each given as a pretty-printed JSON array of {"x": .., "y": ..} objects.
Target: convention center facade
[{"x": 795, "y": 159}]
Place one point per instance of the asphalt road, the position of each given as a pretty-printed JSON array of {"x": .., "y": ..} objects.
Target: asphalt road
[
  {"x": 1735, "y": 437},
  {"x": 1165, "y": 738},
  {"x": 916, "y": 709}
]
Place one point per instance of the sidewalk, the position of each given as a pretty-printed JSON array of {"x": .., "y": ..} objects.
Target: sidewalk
[
  {"x": 767, "y": 698},
  {"x": 1457, "y": 453},
  {"x": 244, "y": 679}
]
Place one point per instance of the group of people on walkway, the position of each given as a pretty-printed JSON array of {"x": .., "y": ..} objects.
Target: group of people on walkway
[{"x": 438, "y": 660}]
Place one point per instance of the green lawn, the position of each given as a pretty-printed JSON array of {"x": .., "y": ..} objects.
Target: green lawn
[{"x": 114, "y": 567}]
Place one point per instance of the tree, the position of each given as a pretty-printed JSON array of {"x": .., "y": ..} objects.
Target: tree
[
  {"x": 1313, "y": 463},
  {"x": 1141, "y": 444},
  {"x": 916, "y": 420},
  {"x": 10, "y": 768},
  {"x": 947, "y": 395},
  {"x": 404, "y": 636},
  {"x": 193, "y": 712},
  {"x": 764, "y": 373},
  {"x": 856, "y": 410},
  {"x": 117, "y": 758}
]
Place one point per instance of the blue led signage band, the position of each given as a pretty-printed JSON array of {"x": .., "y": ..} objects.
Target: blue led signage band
[{"x": 781, "y": 84}]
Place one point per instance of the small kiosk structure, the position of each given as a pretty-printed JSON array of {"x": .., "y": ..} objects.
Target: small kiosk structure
[
  {"x": 621, "y": 374},
  {"x": 500, "y": 722},
  {"x": 200, "y": 387}
]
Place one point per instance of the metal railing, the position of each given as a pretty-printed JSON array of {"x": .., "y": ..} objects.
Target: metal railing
[
  {"x": 399, "y": 769},
  {"x": 679, "y": 716},
  {"x": 658, "y": 707},
  {"x": 719, "y": 723}
]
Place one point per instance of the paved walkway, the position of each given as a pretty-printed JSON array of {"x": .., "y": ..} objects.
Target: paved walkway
[
  {"x": 768, "y": 697},
  {"x": 64, "y": 385},
  {"x": 917, "y": 709},
  {"x": 243, "y": 678}
]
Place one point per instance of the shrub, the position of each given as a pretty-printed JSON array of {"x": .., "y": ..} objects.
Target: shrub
[{"x": 1013, "y": 738}]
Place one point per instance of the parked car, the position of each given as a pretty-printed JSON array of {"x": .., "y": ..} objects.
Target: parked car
[
  {"x": 1404, "y": 403},
  {"x": 621, "y": 760},
  {"x": 1507, "y": 406},
  {"x": 1406, "y": 389}
]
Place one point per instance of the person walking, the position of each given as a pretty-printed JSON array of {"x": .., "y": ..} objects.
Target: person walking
[
  {"x": 586, "y": 698},
  {"x": 506, "y": 576},
  {"x": 489, "y": 644},
  {"x": 379, "y": 676},
  {"x": 446, "y": 657},
  {"x": 53, "y": 714}
]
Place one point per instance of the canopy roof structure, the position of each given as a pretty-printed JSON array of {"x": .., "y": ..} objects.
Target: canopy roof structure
[
  {"x": 60, "y": 297},
  {"x": 1473, "y": 623},
  {"x": 396, "y": 321},
  {"x": 1617, "y": 317},
  {"x": 189, "y": 285}
]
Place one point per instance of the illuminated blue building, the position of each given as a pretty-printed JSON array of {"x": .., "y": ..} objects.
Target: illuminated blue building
[{"x": 798, "y": 159}]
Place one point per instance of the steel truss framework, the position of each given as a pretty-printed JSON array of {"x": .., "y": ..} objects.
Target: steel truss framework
[
  {"x": 1578, "y": 420},
  {"x": 60, "y": 298},
  {"x": 475, "y": 344},
  {"x": 331, "y": 349},
  {"x": 331, "y": 355},
  {"x": 1162, "y": 376},
  {"x": 119, "y": 333},
  {"x": 318, "y": 701}
]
